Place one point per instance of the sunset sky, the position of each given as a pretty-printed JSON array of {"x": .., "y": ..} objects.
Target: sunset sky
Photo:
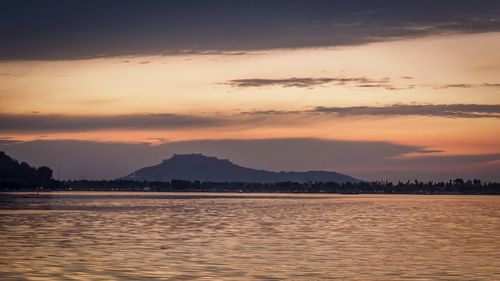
[{"x": 392, "y": 90}]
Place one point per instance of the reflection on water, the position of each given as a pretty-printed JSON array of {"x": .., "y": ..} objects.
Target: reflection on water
[{"x": 124, "y": 236}]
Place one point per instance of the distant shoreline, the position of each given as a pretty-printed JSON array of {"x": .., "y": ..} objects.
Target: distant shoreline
[
  {"x": 186, "y": 187},
  {"x": 186, "y": 195}
]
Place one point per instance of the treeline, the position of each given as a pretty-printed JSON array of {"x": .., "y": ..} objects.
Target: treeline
[
  {"x": 20, "y": 176},
  {"x": 457, "y": 186}
]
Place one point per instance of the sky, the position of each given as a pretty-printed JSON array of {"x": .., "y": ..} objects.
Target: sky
[{"x": 380, "y": 90}]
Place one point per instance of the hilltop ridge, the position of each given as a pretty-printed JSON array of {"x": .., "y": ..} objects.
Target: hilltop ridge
[{"x": 199, "y": 167}]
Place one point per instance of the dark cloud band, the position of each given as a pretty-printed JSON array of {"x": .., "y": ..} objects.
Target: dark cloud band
[
  {"x": 51, "y": 30},
  {"x": 359, "y": 82},
  {"x": 432, "y": 110},
  {"x": 435, "y": 110},
  {"x": 71, "y": 123}
]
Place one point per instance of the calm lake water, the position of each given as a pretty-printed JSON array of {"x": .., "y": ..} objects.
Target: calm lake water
[{"x": 145, "y": 236}]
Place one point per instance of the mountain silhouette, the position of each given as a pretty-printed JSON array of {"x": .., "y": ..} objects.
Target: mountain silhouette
[{"x": 194, "y": 167}]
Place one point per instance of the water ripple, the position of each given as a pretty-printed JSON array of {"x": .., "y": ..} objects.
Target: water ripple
[{"x": 123, "y": 236}]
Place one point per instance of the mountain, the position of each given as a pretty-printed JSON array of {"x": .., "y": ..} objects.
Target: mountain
[{"x": 203, "y": 168}]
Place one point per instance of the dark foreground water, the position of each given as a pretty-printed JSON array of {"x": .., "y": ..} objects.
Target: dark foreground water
[{"x": 145, "y": 236}]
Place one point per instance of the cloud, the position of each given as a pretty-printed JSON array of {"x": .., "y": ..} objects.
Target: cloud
[
  {"x": 54, "y": 30},
  {"x": 257, "y": 118},
  {"x": 358, "y": 82},
  {"x": 7, "y": 140},
  {"x": 311, "y": 82},
  {"x": 70, "y": 123},
  {"x": 441, "y": 167},
  {"x": 159, "y": 139},
  {"x": 11, "y": 74},
  {"x": 274, "y": 112},
  {"x": 447, "y": 86},
  {"x": 491, "y": 84},
  {"x": 449, "y": 159},
  {"x": 50, "y": 123},
  {"x": 303, "y": 82},
  {"x": 432, "y": 110},
  {"x": 385, "y": 86},
  {"x": 466, "y": 85},
  {"x": 435, "y": 110},
  {"x": 429, "y": 151}
]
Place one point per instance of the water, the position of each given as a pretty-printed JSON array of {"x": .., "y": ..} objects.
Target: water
[{"x": 147, "y": 236}]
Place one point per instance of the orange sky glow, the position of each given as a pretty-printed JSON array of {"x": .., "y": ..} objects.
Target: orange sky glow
[{"x": 415, "y": 71}]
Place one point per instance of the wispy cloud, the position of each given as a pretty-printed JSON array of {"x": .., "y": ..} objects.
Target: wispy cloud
[
  {"x": 11, "y": 74},
  {"x": 8, "y": 140},
  {"x": 447, "y": 86},
  {"x": 386, "y": 86},
  {"x": 355, "y": 82},
  {"x": 159, "y": 139},
  {"x": 491, "y": 85},
  {"x": 436, "y": 110},
  {"x": 466, "y": 85},
  {"x": 430, "y": 151},
  {"x": 433, "y": 110},
  {"x": 306, "y": 82}
]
